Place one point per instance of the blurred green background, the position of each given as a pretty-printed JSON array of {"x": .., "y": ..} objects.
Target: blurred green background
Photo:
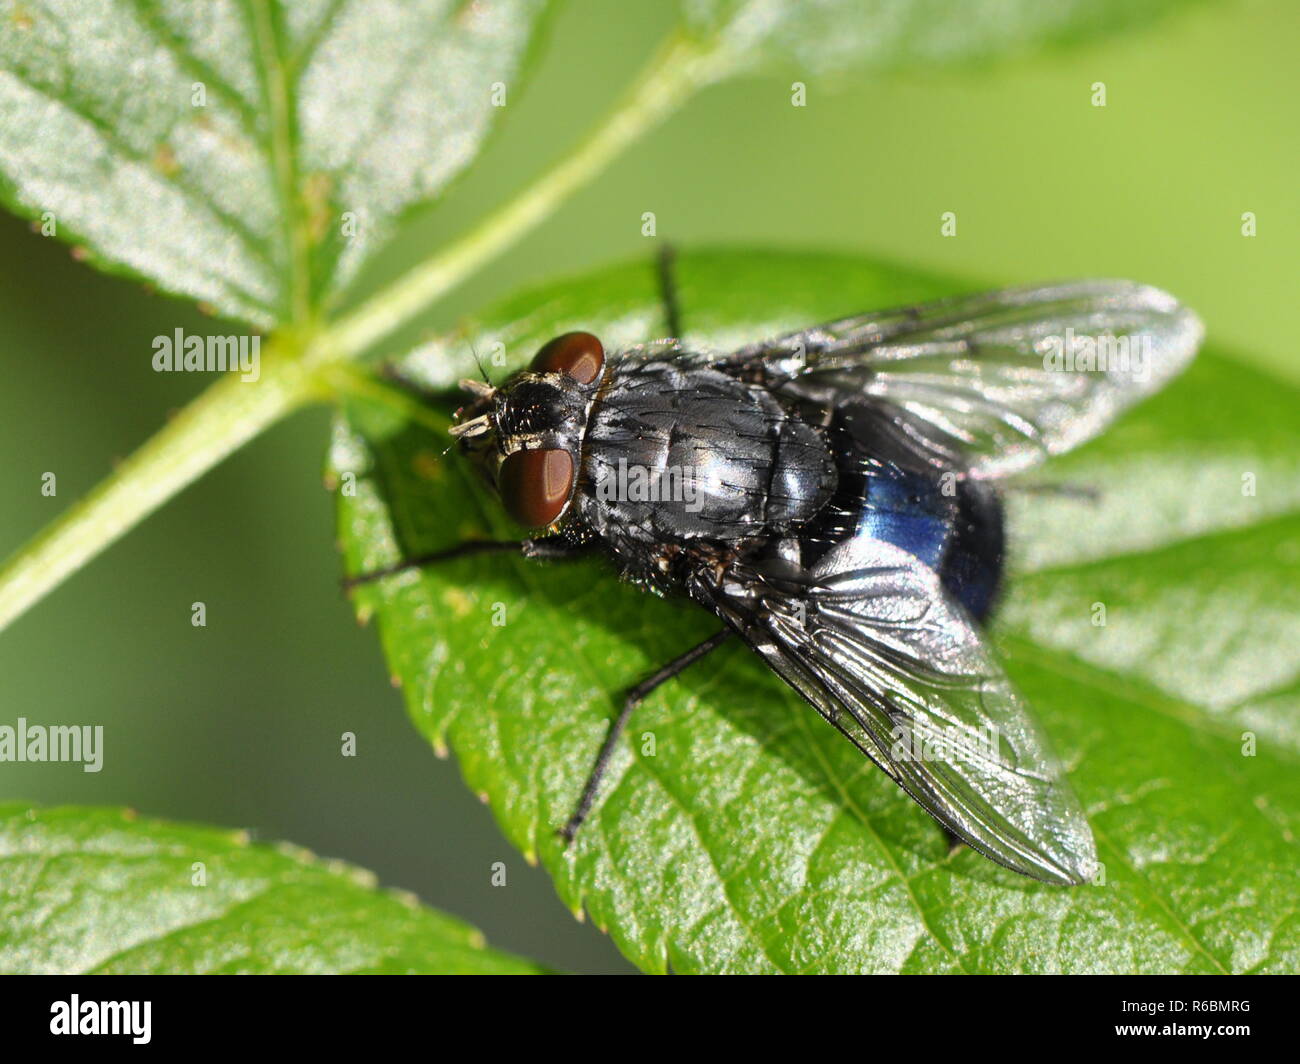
[{"x": 238, "y": 723}]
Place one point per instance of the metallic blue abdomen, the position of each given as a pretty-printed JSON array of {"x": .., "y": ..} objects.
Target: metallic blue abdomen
[
  {"x": 909, "y": 511},
  {"x": 952, "y": 524}
]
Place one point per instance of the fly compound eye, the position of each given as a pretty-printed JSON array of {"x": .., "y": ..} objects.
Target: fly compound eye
[
  {"x": 577, "y": 354},
  {"x": 535, "y": 485}
]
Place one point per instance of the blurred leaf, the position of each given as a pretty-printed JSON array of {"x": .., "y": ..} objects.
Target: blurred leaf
[
  {"x": 892, "y": 35},
  {"x": 754, "y": 838},
  {"x": 219, "y": 149},
  {"x": 94, "y": 891}
]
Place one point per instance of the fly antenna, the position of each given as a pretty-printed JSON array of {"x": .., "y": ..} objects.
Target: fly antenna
[{"x": 479, "y": 362}]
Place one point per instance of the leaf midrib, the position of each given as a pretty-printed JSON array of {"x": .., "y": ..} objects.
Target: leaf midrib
[{"x": 277, "y": 90}]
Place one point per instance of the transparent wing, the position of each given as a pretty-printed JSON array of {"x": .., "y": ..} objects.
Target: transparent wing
[
  {"x": 872, "y": 640},
  {"x": 654, "y": 350},
  {"x": 994, "y": 382}
]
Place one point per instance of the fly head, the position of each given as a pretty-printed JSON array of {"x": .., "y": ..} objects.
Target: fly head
[{"x": 526, "y": 435}]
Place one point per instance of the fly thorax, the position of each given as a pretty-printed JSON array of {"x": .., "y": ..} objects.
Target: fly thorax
[{"x": 678, "y": 453}]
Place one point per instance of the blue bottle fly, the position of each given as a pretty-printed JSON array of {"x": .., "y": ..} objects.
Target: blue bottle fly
[{"x": 832, "y": 495}]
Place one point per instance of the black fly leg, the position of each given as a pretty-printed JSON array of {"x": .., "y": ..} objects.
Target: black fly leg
[
  {"x": 546, "y": 549},
  {"x": 668, "y": 290},
  {"x": 634, "y": 698}
]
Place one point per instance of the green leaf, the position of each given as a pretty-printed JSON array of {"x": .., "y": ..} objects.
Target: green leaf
[
  {"x": 251, "y": 154},
  {"x": 753, "y": 838},
  {"x": 893, "y": 35},
  {"x": 94, "y": 891},
  {"x": 254, "y": 153}
]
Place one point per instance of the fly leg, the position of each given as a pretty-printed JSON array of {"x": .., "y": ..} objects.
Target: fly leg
[
  {"x": 634, "y": 698},
  {"x": 665, "y": 268},
  {"x": 546, "y": 549}
]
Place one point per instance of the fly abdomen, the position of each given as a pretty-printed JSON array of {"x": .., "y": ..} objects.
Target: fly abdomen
[{"x": 675, "y": 453}]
